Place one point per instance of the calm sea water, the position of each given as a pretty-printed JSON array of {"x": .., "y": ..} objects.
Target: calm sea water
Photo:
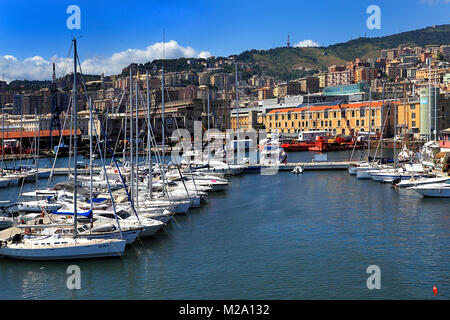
[{"x": 286, "y": 236}]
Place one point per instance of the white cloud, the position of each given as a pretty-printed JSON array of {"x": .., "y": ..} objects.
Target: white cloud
[
  {"x": 204, "y": 54},
  {"x": 37, "y": 68},
  {"x": 306, "y": 43}
]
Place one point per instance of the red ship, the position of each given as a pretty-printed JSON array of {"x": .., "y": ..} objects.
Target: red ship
[
  {"x": 297, "y": 145},
  {"x": 340, "y": 143}
]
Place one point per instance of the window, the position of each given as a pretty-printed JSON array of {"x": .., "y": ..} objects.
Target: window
[
  {"x": 325, "y": 114},
  {"x": 357, "y": 122},
  {"x": 413, "y": 115},
  {"x": 412, "y": 106},
  {"x": 339, "y": 123},
  {"x": 362, "y": 122},
  {"x": 373, "y": 113},
  {"x": 413, "y": 123},
  {"x": 353, "y": 114},
  {"x": 289, "y": 115}
]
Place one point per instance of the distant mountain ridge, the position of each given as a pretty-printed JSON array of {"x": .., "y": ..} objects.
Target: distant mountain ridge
[{"x": 289, "y": 63}]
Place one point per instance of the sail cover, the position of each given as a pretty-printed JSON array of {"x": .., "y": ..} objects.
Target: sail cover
[{"x": 87, "y": 214}]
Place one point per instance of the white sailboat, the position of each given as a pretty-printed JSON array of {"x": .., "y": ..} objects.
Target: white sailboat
[{"x": 57, "y": 247}]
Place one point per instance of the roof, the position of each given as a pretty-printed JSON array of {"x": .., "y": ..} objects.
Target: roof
[
  {"x": 336, "y": 106},
  {"x": 42, "y": 133}
]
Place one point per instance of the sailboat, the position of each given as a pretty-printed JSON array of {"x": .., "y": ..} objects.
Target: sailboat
[{"x": 58, "y": 247}]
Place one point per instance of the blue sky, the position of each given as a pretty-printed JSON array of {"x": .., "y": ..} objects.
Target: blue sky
[{"x": 199, "y": 27}]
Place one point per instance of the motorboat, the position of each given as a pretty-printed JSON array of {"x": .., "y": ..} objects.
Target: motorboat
[
  {"x": 436, "y": 190},
  {"x": 420, "y": 181}
]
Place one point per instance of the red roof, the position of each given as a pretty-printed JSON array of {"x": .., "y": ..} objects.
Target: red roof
[{"x": 42, "y": 134}]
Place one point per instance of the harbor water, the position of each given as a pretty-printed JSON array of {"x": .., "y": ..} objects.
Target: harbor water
[{"x": 283, "y": 236}]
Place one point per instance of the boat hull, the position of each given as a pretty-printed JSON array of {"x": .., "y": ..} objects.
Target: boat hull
[
  {"x": 87, "y": 251},
  {"x": 433, "y": 192}
]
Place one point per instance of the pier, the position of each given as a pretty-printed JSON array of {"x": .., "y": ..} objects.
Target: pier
[{"x": 311, "y": 166}]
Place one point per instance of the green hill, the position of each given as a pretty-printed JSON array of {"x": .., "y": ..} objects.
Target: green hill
[{"x": 290, "y": 63}]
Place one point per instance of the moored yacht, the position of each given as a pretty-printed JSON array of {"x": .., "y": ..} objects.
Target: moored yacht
[{"x": 436, "y": 190}]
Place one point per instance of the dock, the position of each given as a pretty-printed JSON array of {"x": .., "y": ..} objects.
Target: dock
[
  {"x": 312, "y": 166},
  {"x": 319, "y": 165},
  {"x": 66, "y": 171}
]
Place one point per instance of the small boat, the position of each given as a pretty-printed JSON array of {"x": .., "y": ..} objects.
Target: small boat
[
  {"x": 366, "y": 174},
  {"x": 37, "y": 206},
  {"x": 435, "y": 190},
  {"x": 297, "y": 170}
]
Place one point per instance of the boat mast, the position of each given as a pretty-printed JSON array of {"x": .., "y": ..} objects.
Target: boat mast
[
  {"x": 131, "y": 135},
  {"x": 125, "y": 121},
  {"x": 429, "y": 99},
  {"x": 370, "y": 125},
  {"x": 149, "y": 146},
  {"x": 237, "y": 113},
  {"x": 208, "y": 132},
  {"x": 3, "y": 138},
  {"x": 162, "y": 109},
  {"x": 382, "y": 124},
  {"x": 21, "y": 126},
  {"x": 163, "y": 121},
  {"x": 38, "y": 145},
  {"x": 395, "y": 128},
  {"x": 91, "y": 154},
  {"x": 137, "y": 144},
  {"x": 435, "y": 103},
  {"x": 75, "y": 138}
]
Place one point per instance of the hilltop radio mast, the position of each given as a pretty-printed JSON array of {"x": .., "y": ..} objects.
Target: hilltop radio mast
[{"x": 288, "y": 42}]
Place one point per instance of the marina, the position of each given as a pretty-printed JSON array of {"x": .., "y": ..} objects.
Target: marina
[
  {"x": 214, "y": 252},
  {"x": 223, "y": 181}
]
